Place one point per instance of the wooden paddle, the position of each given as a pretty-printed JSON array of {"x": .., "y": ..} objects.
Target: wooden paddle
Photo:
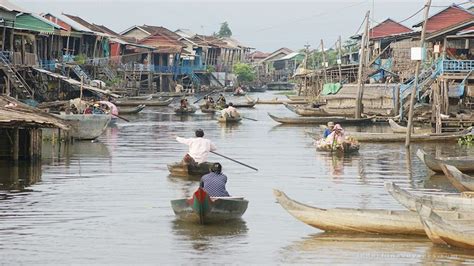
[
  {"x": 253, "y": 168},
  {"x": 122, "y": 118},
  {"x": 249, "y": 118},
  {"x": 210, "y": 93}
]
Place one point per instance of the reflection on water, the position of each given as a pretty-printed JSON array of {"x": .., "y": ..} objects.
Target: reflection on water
[
  {"x": 108, "y": 201},
  {"x": 342, "y": 248},
  {"x": 18, "y": 176}
]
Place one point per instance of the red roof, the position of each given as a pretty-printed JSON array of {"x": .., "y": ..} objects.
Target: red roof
[
  {"x": 388, "y": 28},
  {"x": 163, "y": 42},
  {"x": 446, "y": 18}
]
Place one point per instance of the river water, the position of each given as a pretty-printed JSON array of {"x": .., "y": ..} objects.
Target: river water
[{"x": 108, "y": 201}]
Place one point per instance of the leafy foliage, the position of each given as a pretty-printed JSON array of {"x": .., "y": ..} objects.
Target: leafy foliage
[
  {"x": 80, "y": 59},
  {"x": 467, "y": 140},
  {"x": 224, "y": 31},
  {"x": 244, "y": 72}
]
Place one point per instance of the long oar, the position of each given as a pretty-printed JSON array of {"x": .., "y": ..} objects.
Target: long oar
[
  {"x": 212, "y": 92},
  {"x": 249, "y": 118},
  {"x": 122, "y": 118},
  {"x": 253, "y": 168}
]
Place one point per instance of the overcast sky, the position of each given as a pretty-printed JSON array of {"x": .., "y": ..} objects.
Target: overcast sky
[{"x": 262, "y": 24}]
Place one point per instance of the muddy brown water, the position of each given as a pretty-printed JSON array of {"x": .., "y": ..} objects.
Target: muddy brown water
[{"x": 109, "y": 201}]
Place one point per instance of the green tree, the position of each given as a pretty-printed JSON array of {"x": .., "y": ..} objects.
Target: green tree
[
  {"x": 224, "y": 31},
  {"x": 244, "y": 72}
]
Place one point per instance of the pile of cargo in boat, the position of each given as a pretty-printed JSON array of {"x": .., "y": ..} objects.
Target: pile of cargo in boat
[
  {"x": 350, "y": 145},
  {"x": 208, "y": 210}
]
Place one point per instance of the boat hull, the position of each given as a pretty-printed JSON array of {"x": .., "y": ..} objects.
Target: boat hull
[
  {"x": 86, "y": 126},
  {"x": 353, "y": 220},
  {"x": 320, "y": 120},
  {"x": 133, "y": 110},
  {"x": 185, "y": 170},
  {"x": 133, "y": 102},
  {"x": 463, "y": 164},
  {"x": 460, "y": 181}
]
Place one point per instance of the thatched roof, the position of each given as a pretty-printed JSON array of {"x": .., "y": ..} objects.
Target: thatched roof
[{"x": 17, "y": 114}]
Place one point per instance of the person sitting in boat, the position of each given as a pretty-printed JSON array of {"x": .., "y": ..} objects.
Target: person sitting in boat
[
  {"x": 230, "y": 111},
  {"x": 96, "y": 109},
  {"x": 214, "y": 182},
  {"x": 210, "y": 99},
  {"x": 336, "y": 137},
  {"x": 239, "y": 90},
  {"x": 328, "y": 129},
  {"x": 209, "y": 104},
  {"x": 184, "y": 103},
  {"x": 88, "y": 110},
  {"x": 199, "y": 148},
  {"x": 221, "y": 100}
]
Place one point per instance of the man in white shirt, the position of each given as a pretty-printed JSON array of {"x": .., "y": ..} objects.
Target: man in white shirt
[
  {"x": 230, "y": 111},
  {"x": 199, "y": 148}
]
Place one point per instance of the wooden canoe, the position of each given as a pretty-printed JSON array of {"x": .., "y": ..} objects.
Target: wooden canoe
[
  {"x": 245, "y": 105},
  {"x": 399, "y": 137},
  {"x": 353, "y": 220},
  {"x": 237, "y": 94},
  {"x": 306, "y": 111},
  {"x": 141, "y": 97},
  {"x": 348, "y": 147},
  {"x": 144, "y": 102},
  {"x": 274, "y": 101},
  {"x": 186, "y": 170},
  {"x": 460, "y": 181},
  {"x": 321, "y": 120},
  {"x": 131, "y": 110},
  {"x": 437, "y": 202},
  {"x": 464, "y": 164},
  {"x": 206, "y": 210},
  {"x": 451, "y": 232},
  {"x": 185, "y": 111},
  {"x": 207, "y": 110},
  {"x": 223, "y": 119},
  {"x": 396, "y": 128},
  {"x": 86, "y": 126}
]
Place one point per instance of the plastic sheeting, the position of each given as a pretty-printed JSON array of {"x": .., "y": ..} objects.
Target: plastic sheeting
[{"x": 331, "y": 88}]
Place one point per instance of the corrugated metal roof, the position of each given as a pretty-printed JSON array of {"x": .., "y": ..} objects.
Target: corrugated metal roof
[
  {"x": 388, "y": 28},
  {"x": 7, "y": 5},
  {"x": 29, "y": 21},
  {"x": 74, "y": 25},
  {"x": 446, "y": 18},
  {"x": 290, "y": 56}
]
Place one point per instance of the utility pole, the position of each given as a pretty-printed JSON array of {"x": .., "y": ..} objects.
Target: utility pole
[
  {"x": 324, "y": 62},
  {"x": 339, "y": 60},
  {"x": 417, "y": 73},
  {"x": 360, "y": 79}
]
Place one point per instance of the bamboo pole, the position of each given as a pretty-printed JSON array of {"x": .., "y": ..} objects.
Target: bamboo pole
[
  {"x": 360, "y": 81},
  {"x": 324, "y": 62},
  {"x": 417, "y": 73},
  {"x": 339, "y": 50}
]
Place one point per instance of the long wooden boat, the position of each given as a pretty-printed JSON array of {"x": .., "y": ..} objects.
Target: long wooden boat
[
  {"x": 398, "y": 137},
  {"x": 451, "y": 232},
  {"x": 321, "y": 120},
  {"x": 245, "y": 105},
  {"x": 280, "y": 86},
  {"x": 460, "y": 181},
  {"x": 275, "y": 101},
  {"x": 185, "y": 111},
  {"x": 239, "y": 94},
  {"x": 171, "y": 94},
  {"x": 258, "y": 88},
  {"x": 437, "y": 202},
  {"x": 305, "y": 110},
  {"x": 352, "y": 220},
  {"x": 187, "y": 170},
  {"x": 141, "y": 97},
  {"x": 131, "y": 110},
  {"x": 464, "y": 163},
  {"x": 396, "y": 128},
  {"x": 86, "y": 126},
  {"x": 207, "y": 210},
  {"x": 144, "y": 102},
  {"x": 227, "y": 120}
]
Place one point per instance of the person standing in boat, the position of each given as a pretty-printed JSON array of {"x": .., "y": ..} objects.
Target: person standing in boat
[
  {"x": 221, "y": 100},
  {"x": 214, "y": 182},
  {"x": 199, "y": 148},
  {"x": 328, "y": 129}
]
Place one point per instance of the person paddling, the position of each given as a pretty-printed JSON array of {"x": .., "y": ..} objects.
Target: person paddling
[
  {"x": 214, "y": 182},
  {"x": 230, "y": 111},
  {"x": 199, "y": 148}
]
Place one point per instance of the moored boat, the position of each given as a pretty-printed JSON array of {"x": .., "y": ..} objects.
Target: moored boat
[
  {"x": 437, "y": 202},
  {"x": 352, "y": 220},
  {"x": 131, "y": 110},
  {"x": 207, "y": 109},
  {"x": 245, "y": 105},
  {"x": 460, "y": 181},
  {"x": 86, "y": 126},
  {"x": 151, "y": 102},
  {"x": 207, "y": 210},
  {"x": 399, "y": 137},
  {"x": 321, "y": 120},
  {"x": 396, "y": 128},
  {"x": 451, "y": 232},
  {"x": 464, "y": 163},
  {"x": 188, "y": 170},
  {"x": 305, "y": 110}
]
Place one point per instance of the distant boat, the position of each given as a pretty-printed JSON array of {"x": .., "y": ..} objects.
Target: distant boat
[
  {"x": 185, "y": 111},
  {"x": 321, "y": 120},
  {"x": 258, "y": 88},
  {"x": 207, "y": 210},
  {"x": 396, "y": 128},
  {"x": 86, "y": 126},
  {"x": 147, "y": 102},
  {"x": 131, "y": 110},
  {"x": 280, "y": 86},
  {"x": 226, "y": 119}
]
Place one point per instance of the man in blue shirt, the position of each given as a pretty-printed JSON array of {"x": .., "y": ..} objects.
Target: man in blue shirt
[
  {"x": 328, "y": 129},
  {"x": 214, "y": 182}
]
